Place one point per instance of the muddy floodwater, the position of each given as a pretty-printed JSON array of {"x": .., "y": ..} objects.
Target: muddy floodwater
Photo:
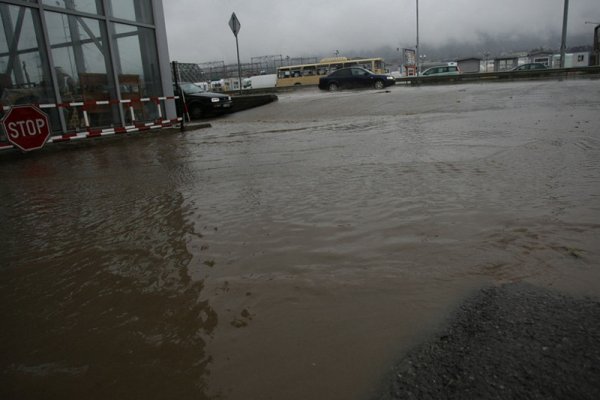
[{"x": 293, "y": 251}]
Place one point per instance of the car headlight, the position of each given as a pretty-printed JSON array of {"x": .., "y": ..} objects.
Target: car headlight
[
  {"x": 215, "y": 99},
  {"x": 391, "y": 78}
]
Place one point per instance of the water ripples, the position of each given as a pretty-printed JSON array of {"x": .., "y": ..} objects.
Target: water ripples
[{"x": 186, "y": 258}]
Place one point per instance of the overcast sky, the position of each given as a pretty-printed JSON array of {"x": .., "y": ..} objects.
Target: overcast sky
[{"x": 198, "y": 30}]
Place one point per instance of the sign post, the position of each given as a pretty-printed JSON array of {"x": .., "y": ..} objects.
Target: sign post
[
  {"x": 410, "y": 62},
  {"x": 234, "y": 24},
  {"x": 26, "y": 127}
]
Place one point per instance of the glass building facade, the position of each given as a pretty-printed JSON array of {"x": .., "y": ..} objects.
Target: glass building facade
[{"x": 59, "y": 52}]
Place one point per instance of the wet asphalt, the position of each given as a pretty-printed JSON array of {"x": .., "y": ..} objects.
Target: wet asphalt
[{"x": 312, "y": 247}]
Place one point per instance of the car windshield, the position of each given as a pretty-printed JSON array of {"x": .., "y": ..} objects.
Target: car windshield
[{"x": 191, "y": 88}]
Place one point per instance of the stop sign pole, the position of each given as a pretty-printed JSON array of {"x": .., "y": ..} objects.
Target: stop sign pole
[
  {"x": 234, "y": 24},
  {"x": 26, "y": 127}
]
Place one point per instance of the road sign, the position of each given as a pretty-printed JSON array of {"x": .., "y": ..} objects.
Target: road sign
[
  {"x": 234, "y": 24},
  {"x": 26, "y": 127}
]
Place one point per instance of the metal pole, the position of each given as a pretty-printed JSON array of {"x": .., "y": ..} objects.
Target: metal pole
[
  {"x": 563, "y": 43},
  {"x": 239, "y": 65},
  {"x": 175, "y": 68},
  {"x": 417, "y": 52},
  {"x": 597, "y": 45}
]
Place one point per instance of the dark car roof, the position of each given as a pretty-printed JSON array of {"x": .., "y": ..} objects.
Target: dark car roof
[
  {"x": 353, "y": 67},
  {"x": 201, "y": 92}
]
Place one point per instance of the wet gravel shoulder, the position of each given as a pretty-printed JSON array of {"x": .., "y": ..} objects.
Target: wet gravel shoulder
[{"x": 514, "y": 341}]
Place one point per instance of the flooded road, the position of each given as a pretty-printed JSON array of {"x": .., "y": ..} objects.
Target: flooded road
[{"x": 294, "y": 251}]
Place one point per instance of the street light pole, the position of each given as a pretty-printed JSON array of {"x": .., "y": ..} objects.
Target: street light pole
[
  {"x": 417, "y": 52},
  {"x": 563, "y": 43}
]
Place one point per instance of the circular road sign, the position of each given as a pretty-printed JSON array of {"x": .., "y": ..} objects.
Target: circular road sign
[{"x": 26, "y": 127}]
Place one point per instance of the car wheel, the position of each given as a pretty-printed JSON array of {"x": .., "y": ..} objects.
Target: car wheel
[
  {"x": 196, "y": 111},
  {"x": 379, "y": 85},
  {"x": 333, "y": 87}
]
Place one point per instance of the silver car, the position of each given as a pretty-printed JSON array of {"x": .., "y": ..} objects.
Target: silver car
[{"x": 442, "y": 70}]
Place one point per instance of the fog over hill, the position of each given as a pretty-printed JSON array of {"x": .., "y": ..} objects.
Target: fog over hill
[
  {"x": 492, "y": 46},
  {"x": 198, "y": 31}
]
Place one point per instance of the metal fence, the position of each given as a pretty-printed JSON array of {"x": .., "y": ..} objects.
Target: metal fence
[{"x": 216, "y": 70}]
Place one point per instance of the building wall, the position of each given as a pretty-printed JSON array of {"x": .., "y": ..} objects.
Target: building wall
[
  {"x": 572, "y": 60},
  {"x": 505, "y": 64},
  {"x": 470, "y": 66},
  {"x": 542, "y": 58},
  {"x": 68, "y": 51}
]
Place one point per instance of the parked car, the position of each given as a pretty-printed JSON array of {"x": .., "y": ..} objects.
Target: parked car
[
  {"x": 530, "y": 67},
  {"x": 353, "y": 78},
  {"x": 442, "y": 70},
  {"x": 200, "y": 102}
]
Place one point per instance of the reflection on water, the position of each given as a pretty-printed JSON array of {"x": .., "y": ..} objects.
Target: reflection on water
[
  {"x": 293, "y": 251},
  {"x": 97, "y": 295}
]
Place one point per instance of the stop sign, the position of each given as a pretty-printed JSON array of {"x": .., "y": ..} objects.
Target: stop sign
[{"x": 26, "y": 127}]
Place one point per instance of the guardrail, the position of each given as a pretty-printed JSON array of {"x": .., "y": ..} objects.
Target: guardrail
[
  {"x": 87, "y": 131},
  {"x": 553, "y": 73}
]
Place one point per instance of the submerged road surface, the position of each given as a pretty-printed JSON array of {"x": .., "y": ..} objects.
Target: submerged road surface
[{"x": 293, "y": 251}]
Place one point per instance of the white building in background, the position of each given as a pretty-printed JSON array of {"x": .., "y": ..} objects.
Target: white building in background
[
  {"x": 54, "y": 52},
  {"x": 572, "y": 60}
]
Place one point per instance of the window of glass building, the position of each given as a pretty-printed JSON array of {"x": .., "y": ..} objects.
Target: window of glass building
[
  {"x": 87, "y": 6},
  {"x": 132, "y": 10},
  {"x": 137, "y": 66},
  {"x": 81, "y": 60},
  {"x": 24, "y": 68}
]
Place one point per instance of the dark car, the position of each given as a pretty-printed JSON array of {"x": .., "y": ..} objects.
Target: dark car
[
  {"x": 200, "y": 103},
  {"x": 353, "y": 78},
  {"x": 530, "y": 67}
]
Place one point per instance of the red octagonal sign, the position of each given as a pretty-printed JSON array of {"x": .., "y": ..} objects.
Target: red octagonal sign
[{"x": 27, "y": 127}]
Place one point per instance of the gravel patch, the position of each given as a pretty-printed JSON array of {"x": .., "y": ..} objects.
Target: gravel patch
[{"x": 510, "y": 342}]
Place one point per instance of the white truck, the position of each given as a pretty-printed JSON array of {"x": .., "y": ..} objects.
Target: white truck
[{"x": 260, "y": 81}]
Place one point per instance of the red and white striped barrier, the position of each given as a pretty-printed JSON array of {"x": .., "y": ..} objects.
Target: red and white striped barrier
[{"x": 91, "y": 132}]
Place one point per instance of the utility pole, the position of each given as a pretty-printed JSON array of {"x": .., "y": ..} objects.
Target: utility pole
[
  {"x": 563, "y": 44},
  {"x": 417, "y": 52},
  {"x": 596, "y": 49}
]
